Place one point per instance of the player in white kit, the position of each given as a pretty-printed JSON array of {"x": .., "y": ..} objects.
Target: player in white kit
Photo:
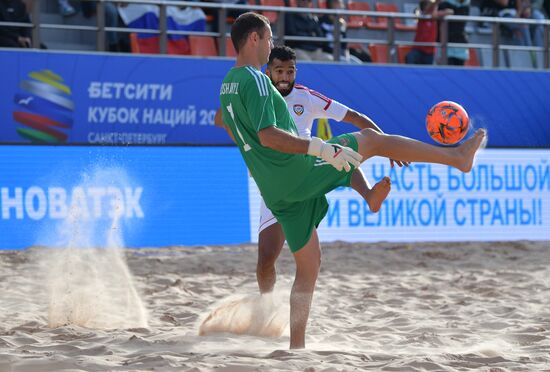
[{"x": 305, "y": 106}]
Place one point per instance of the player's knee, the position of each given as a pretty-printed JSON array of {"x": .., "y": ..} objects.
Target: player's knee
[
  {"x": 316, "y": 263},
  {"x": 369, "y": 133},
  {"x": 319, "y": 265},
  {"x": 267, "y": 255},
  {"x": 270, "y": 244},
  {"x": 371, "y": 137}
]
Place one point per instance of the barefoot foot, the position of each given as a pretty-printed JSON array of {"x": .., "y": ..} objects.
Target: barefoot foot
[
  {"x": 469, "y": 149},
  {"x": 378, "y": 194}
]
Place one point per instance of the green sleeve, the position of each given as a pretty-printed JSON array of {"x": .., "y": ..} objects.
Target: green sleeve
[
  {"x": 258, "y": 100},
  {"x": 225, "y": 117}
]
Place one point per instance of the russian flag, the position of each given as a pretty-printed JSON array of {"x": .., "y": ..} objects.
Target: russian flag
[{"x": 147, "y": 17}]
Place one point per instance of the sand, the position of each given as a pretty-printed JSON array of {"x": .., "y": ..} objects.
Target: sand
[{"x": 383, "y": 307}]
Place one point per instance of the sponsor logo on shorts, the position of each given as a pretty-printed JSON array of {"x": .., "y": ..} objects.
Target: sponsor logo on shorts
[{"x": 298, "y": 109}]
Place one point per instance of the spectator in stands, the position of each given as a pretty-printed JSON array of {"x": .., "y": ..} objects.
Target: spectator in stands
[
  {"x": 65, "y": 8},
  {"x": 537, "y": 31},
  {"x": 491, "y": 8},
  {"x": 510, "y": 9},
  {"x": 306, "y": 24},
  {"x": 28, "y": 4},
  {"x": 456, "y": 56},
  {"x": 426, "y": 32},
  {"x": 347, "y": 53},
  {"x": 212, "y": 13},
  {"x": 14, "y": 37},
  {"x": 115, "y": 42}
]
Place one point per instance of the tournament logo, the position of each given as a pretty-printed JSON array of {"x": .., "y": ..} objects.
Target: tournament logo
[
  {"x": 44, "y": 108},
  {"x": 298, "y": 109}
]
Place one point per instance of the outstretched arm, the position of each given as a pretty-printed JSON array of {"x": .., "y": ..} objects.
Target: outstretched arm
[
  {"x": 272, "y": 137},
  {"x": 337, "y": 156},
  {"x": 282, "y": 141},
  {"x": 360, "y": 120}
]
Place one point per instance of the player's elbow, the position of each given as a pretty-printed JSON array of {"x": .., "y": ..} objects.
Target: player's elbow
[
  {"x": 351, "y": 116},
  {"x": 218, "y": 121},
  {"x": 266, "y": 139},
  {"x": 357, "y": 119}
]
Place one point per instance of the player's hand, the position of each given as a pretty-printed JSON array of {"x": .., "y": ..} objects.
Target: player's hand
[
  {"x": 24, "y": 42},
  {"x": 399, "y": 163},
  {"x": 339, "y": 157}
]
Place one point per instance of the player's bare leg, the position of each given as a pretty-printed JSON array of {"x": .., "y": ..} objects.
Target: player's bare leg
[
  {"x": 372, "y": 143},
  {"x": 270, "y": 244},
  {"x": 373, "y": 196},
  {"x": 308, "y": 262}
]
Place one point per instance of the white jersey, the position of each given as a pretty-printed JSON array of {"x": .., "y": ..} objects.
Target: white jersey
[{"x": 305, "y": 105}]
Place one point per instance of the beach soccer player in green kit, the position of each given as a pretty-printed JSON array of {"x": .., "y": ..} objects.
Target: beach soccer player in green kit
[{"x": 293, "y": 173}]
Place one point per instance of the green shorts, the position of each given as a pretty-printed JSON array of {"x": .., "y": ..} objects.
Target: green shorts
[{"x": 304, "y": 208}]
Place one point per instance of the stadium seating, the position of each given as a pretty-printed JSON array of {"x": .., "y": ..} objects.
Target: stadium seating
[
  {"x": 229, "y": 19},
  {"x": 151, "y": 45},
  {"x": 360, "y": 27},
  {"x": 473, "y": 60},
  {"x": 376, "y": 23},
  {"x": 379, "y": 53},
  {"x": 134, "y": 45},
  {"x": 229, "y": 48},
  {"x": 357, "y": 21},
  {"x": 360, "y": 21},
  {"x": 402, "y": 51},
  {"x": 272, "y": 16},
  {"x": 392, "y": 8},
  {"x": 203, "y": 46}
]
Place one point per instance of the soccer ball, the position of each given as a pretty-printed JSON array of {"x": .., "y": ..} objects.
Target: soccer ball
[{"x": 447, "y": 122}]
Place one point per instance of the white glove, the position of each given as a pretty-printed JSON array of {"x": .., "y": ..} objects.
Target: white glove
[{"x": 339, "y": 157}]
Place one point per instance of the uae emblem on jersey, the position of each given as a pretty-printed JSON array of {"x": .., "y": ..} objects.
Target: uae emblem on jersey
[{"x": 298, "y": 109}]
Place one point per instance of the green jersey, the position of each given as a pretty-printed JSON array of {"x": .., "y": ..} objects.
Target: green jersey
[{"x": 249, "y": 104}]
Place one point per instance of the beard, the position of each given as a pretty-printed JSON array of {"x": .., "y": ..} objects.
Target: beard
[{"x": 286, "y": 88}]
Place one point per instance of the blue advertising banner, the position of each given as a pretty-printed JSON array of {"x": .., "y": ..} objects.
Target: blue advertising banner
[
  {"x": 107, "y": 99},
  {"x": 151, "y": 100},
  {"x": 506, "y": 196},
  {"x": 161, "y": 195},
  {"x": 512, "y": 105}
]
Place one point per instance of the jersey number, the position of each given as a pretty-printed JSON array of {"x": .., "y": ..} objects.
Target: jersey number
[{"x": 246, "y": 146}]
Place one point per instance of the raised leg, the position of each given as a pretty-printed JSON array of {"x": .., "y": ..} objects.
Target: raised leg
[
  {"x": 372, "y": 143},
  {"x": 373, "y": 196}
]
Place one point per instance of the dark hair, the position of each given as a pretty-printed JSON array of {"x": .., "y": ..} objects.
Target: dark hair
[
  {"x": 330, "y": 3},
  {"x": 282, "y": 53},
  {"x": 425, "y": 4},
  {"x": 246, "y": 24}
]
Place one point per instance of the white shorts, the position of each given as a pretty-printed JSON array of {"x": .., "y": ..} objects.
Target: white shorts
[{"x": 266, "y": 217}]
